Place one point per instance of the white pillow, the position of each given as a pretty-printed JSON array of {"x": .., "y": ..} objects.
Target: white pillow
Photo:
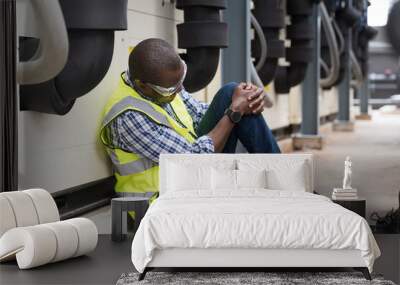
[
  {"x": 183, "y": 177},
  {"x": 223, "y": 179},
  {"x": 227, "y": 179},
  {"x": 282, "y": 174},
  {"x": 251, "y": 178},
  {"x": 295, "y": 180}
]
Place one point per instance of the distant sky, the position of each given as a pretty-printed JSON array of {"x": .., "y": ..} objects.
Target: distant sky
[{"x": 378, "y": 12}]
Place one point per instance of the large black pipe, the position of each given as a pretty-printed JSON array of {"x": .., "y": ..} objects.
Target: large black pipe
[
  {"x": 365, "y": 35},
  {"x": 271, "y": 16},
  {"x": 300, "y": 52},
  {"x": 346, "y": 17},
  {"x": 362, "y": 34},
  {"x": 349, "y": 15},
  {"x": 392, "y": 27},
  {"x": 202, "y": 35},
  {"x": 90, "y": 25},
  {"x": 325, "y": 56},
  {"x": 8, "y": 98},
  {"x": 331, "y": 6}
]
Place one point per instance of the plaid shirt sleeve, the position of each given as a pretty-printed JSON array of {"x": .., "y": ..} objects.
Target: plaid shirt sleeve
[
  {"x": 135, "y": 132},
  {"x": 195, "y": 108}
]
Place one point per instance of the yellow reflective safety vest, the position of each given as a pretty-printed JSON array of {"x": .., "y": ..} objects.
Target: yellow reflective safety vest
[{"x": 135, "y": 173}]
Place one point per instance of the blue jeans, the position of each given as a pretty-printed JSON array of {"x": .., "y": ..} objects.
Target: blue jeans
[{"x": 252, "y": 131}]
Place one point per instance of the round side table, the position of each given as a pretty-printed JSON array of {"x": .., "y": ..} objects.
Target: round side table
[{"x": 119, "y": 207}]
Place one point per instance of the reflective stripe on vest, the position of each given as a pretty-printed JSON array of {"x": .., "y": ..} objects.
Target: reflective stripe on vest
[
  {"x": 132, "y": 167},
  {"x": 140, "y": 104}
]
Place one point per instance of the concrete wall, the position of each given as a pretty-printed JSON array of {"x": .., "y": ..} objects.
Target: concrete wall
[{"x": 287, "y": 107}]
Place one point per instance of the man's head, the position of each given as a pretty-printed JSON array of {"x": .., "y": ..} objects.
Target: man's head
[{"x": 155, "y": 62}]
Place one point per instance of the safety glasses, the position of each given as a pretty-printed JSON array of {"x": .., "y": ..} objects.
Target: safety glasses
[{"x": 166, "y": 92}]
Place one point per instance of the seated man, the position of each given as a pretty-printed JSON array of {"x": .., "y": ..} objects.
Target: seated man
[{"x": 150, "y": 113}]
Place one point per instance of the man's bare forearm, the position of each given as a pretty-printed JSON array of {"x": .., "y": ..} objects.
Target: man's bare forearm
[{"x": 221, "y": 132}]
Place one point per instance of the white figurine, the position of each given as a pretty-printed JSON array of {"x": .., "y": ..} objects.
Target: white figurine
[{"x": 347, "y": 174}]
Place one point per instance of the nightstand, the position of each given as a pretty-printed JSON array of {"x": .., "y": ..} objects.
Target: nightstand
[
  {"x": 357, "y": 205},
  {"x": 119, "y": 207}
]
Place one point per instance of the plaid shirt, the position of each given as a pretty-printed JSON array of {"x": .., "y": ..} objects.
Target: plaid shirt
[{"x": 135, "y": 132}]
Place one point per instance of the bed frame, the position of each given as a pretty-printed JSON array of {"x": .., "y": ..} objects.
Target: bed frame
[
  {"x": 242, "y": 259},
  {"x": 245, "y": 258}
]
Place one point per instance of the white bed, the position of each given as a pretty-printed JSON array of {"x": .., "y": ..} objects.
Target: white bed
[{"x": 203, "y": 226}]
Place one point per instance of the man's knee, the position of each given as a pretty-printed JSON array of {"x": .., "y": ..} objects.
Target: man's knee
[
  {"x": 228, "y": 89},
  {"x": 224, "y": 95}
]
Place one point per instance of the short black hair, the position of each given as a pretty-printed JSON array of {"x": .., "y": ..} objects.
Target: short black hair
[{"x": 150, "y": 57}]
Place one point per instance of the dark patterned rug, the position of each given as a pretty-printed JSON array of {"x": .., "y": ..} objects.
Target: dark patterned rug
[{"x": 244, "y": 278}]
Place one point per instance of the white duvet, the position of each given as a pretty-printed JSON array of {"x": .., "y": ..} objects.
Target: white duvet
[{"x": 252, "y": 218}]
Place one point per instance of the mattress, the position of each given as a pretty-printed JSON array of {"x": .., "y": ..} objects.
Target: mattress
[{"x": 250, "y": 219}]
